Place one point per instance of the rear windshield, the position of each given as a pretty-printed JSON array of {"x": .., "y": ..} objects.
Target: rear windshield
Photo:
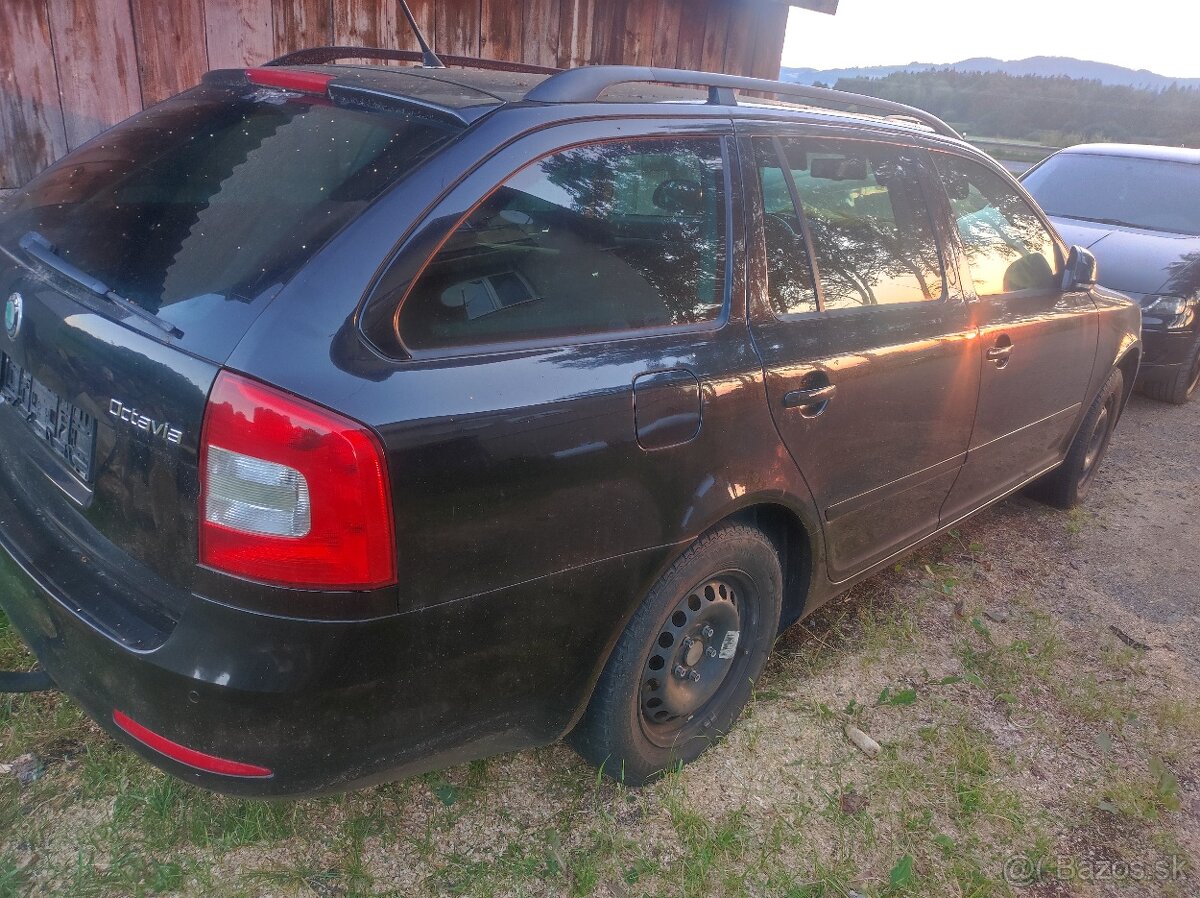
[
  {"x": 218, "y": 195},
  {"x": 1152, "y": 194}
]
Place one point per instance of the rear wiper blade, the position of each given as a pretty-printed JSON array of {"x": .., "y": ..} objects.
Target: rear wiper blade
[{"x": 46, "y": 253}]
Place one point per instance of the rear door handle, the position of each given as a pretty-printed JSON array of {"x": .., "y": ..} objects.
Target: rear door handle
[
  {"x": 1000, "y": 353},
  {"x": 809, "y": 398}
]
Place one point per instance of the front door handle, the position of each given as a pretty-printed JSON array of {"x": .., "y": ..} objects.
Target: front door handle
[
  {"x": 809, "y": 398},
  {"x": 1001, "y": 352}
]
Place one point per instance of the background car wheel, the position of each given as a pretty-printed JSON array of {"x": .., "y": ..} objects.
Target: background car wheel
[
  {"x": 685, "y": 666},
  {"x": 1065, "y": 486},
  {"x": 1179, "y": 387}
]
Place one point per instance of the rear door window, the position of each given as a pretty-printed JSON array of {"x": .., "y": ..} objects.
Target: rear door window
[
  {"x": 1007, "y": 246},
  {"x": 599, "y": 239},
  {"x": 871, "y": 229},
  {"x": 791, "y": 289}
]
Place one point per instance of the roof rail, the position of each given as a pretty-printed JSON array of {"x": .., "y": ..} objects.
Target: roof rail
[
  {"x": 586, "y": 84},
  {"x": 323, "y": 55}
]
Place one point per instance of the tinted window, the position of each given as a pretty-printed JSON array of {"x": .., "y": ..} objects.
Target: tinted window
[
  {"x": 790, "y": 289},
  {"x": 1007, "y": 245},
  {"x": 219, "y": 193},
  {"x": 871, "y": 230},
  {"x": 1142, "y": 193},
  {"x": 612, "y": 237}
]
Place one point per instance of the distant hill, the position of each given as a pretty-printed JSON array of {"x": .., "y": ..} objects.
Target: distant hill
[{"x": 1047, "y": 66}]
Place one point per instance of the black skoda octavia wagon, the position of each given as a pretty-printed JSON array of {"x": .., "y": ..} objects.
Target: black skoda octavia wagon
[{"x": 360, "y": 420}]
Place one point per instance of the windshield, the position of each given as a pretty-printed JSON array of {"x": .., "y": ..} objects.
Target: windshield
[
  {"x": 217, "y": 195},
  {"x": 1142, "y": 193}
]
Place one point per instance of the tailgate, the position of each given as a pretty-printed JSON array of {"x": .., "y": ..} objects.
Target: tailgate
[{"x": 99, "y": 436}]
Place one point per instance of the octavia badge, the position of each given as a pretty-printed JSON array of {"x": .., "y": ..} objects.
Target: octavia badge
[{"x": 14, "y": 313}]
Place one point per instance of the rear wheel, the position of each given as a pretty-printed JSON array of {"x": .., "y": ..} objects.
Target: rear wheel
[
  {"x": 1067, "y": 485},
  {"x": 685, "y": 666},
  {"x": 1180, "y": 386}
]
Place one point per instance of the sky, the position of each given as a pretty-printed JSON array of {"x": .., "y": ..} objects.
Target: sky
[{"x": 1159, "y": 36}]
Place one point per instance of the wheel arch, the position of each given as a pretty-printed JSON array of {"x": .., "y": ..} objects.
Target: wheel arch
[
  {"x": 1129, "y": 363},
  {"x": 785, "y": 527}
]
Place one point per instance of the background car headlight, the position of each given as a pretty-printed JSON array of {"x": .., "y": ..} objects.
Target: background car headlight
[
  {"x": 1170, "y": 312},
  {"x": 1165, "y": 306}
]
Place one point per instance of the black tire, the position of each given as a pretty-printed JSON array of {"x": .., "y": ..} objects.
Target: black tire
[
  {"x": 641, "y": 721},
  {"x": 1180, "y": 386},
  {"x": 1067, "y": 485}
]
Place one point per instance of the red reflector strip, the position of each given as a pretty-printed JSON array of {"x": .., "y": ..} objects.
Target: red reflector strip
[
  {"x": 306, "y": 82},
  {"x": 185, "y": 755}
]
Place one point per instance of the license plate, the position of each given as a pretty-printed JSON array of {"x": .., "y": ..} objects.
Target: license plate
[{"x": 68, "y": 431}]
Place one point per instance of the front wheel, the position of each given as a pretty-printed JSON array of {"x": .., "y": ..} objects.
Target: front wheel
[
  {"x": 686, "y": 664},
  {"x": 1067, "y": 485}
]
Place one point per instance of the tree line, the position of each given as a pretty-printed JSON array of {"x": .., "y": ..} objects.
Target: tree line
[{"x": 1057, "y": 111}]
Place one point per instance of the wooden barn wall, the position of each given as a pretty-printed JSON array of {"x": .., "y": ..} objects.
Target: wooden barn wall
[{"x": 71, "y": 68}]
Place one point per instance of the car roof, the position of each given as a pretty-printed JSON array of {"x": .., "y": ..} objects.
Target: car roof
[
  {"x": 1135, "y": 151},
  {"x": 474, "y": 92}
]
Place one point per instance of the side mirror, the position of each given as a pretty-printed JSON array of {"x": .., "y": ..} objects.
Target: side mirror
[{"x": 1081, "y": 270}]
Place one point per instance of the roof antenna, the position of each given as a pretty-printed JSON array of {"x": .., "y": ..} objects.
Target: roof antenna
[{"x": 430, "y": 59}]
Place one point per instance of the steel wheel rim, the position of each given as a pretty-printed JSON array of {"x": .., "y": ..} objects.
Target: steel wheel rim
[{"x": 696, "y": 658}]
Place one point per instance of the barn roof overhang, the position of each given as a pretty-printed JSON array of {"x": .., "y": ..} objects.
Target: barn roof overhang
[{"x": 826, "y": 6}]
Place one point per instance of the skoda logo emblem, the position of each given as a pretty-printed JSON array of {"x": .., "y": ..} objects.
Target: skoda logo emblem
[{"x": 14, "y": 312}]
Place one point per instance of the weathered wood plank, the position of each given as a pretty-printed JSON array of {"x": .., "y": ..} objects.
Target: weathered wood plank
[
  {"x": 302, "y": 23},
  {"x": 32, "y": 133},
  {"x": 542, "y": 31},
  {"x": 716, "y": 35},
  {"x": 425, "y": 12},
  {"x": 741, "y": 36},
  {"x": 768, "y": 48},
  {"x": 365, "y": 23},
  {"x": 640, "y": 19},
  {"x": 502, "y": 34},
  {"x": 238, "y": 32},
  {"x": 667, "y": 24},
  {"x": 97, "y": 65},
  {"x": 608, "y": 33},
  {"x": 172, "y": 52},
  {"x": 690, "y": 52},
  {"x": 576, "y": 22},
  {"x": 458, "y": 27}
]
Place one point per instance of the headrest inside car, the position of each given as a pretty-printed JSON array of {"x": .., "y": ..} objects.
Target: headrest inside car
[
  {"x": 839, "y": 169},
  {"x": 680, "y": 195}
]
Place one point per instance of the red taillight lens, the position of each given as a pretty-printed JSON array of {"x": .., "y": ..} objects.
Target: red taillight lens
[
  {"x": 292, "y": 494},
  {"x": 305, "y": 82},
  {"x": 185, "y": 755}
]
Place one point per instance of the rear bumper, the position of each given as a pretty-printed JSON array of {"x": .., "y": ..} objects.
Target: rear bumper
[{"x": 324, "y": 705}]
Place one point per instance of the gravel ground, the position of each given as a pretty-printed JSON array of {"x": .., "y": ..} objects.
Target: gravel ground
[{"x": 1145, "y": 555}]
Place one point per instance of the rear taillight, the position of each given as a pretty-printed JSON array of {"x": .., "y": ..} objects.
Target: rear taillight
[{"x": 292, "y": 494}]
